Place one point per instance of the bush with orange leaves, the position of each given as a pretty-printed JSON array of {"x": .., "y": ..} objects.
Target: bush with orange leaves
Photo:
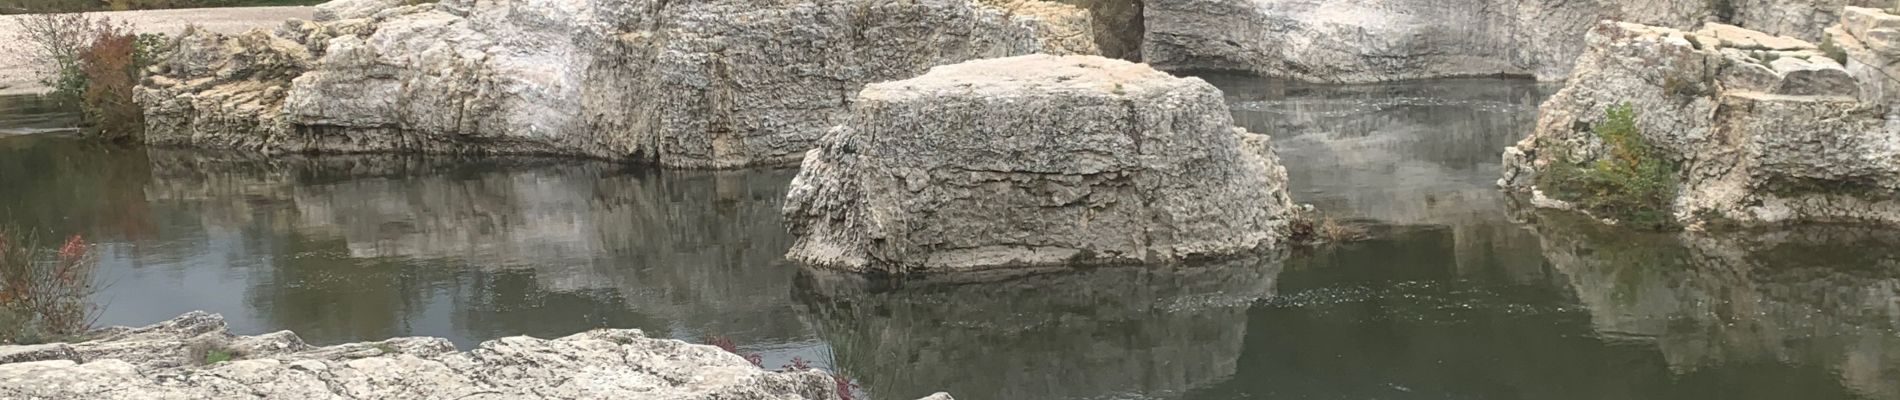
[{"x": 44, "y": 293}]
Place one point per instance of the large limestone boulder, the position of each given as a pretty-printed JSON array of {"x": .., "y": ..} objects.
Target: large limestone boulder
[
  {"x": 1747, "y": 127},
  {"x": 721, "y": 83},
  {"x": 1033, "y": 161},
  {"x": 1382, "y": 40},
  {"x": 166, "y": 361}
]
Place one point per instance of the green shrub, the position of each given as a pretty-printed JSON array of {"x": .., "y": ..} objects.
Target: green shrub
[
  {"x": 1632, "y": 183},
  {"x": 1833, "y": 50},
  {"x": 1722, "y": 10}
]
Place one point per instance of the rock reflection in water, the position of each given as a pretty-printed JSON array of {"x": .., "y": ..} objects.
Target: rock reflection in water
[
  {"x": 1404, "y": 153},
  {"x": 1093, "y": 333},
  {"x": 1817, "y": 298},
  {"x": 347, "y": 248}
]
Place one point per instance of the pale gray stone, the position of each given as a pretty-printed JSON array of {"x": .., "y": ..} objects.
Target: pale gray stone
[
  {"x": 1761, "y": 136},
  {"x": 150, "y": 363},
  {"x": 1382, "y": 40},
  {"x": 714, "y": 84},
  {"x": 1035, "y": 161}
]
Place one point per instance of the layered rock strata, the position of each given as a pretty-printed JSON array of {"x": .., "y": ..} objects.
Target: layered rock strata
[
  {"x": 691, "y": 84},
  {"x": 1381, "y": 40},
  {"x": 1035, "y": 161},
  {"x": 185, "y": 358},
  {"x": 1755, "y": 128}
]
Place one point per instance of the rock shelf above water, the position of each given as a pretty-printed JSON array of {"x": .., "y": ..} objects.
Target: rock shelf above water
[
  {"x": 1756, "y": 129},
  {"x": 1035, "y": 161},
  {"x": 163, "y": 361}
]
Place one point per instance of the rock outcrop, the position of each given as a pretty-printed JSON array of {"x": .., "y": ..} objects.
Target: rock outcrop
[
  {"x": 691, "y": 84},
  {"x": 169, "y": 361},
  {"x": 1380, "y": 40},
  {"x": 1751, "y": 128},
  {"x": 1035, "y": 161}
]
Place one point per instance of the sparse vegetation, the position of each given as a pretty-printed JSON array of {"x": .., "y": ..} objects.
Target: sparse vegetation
[
  {"x": 848, "y": 388},
  {"x": 214, "y": 356},
  {"x": 386, "y": 348},
  {"x": 212, "y": 352},
  {"x": 1314, "y": 227},
  {"x": 1631, "y": 183},
  {"x": 44, "y": 292},
  {"x": 74, "y": 6},
  {"x": 1722, "y": 10},
  {"x": 1833, "y": 50},
  {"x": 95, "y": 64}
]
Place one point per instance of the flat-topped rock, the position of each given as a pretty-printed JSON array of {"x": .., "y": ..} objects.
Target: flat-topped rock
[
  {"x": 1031, "y": 76},
  {"x": 1035, "y": 161},
  {"x": 169, "y": 360}
]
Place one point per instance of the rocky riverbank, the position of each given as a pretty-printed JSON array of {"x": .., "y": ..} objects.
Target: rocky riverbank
[
  {"x": 1720, "y": 125},
  {"x": 699, "y": 84},
  {"x": 18, "y": 74},
  {"x": 193, "y": 357}
]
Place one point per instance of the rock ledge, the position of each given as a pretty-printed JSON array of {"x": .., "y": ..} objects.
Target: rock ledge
[{"x": 162, "y": 361}]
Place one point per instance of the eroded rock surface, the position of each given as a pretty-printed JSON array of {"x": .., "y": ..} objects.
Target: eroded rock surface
[
  {"x": 692, "y": 84},
  {"x": 1035, "y": 161},
  {"x": 165, "y": 361},
  {"x": 1381, "y": 40},
  {"x": 1760, "y": 129}
]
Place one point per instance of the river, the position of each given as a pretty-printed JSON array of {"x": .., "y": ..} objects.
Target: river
[{"x": 1458, "y": 295}]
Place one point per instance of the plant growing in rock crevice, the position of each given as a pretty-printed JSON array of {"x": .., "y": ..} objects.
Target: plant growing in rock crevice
[
  {"x": 1632, "y": 183},
  {"x": 211, "y": 352}
]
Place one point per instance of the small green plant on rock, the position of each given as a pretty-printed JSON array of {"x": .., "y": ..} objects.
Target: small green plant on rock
[
  {"x": 1631, "y": 183},
  {"x": 216, "y": 355},
  {"x": 1833, "y": 50}
]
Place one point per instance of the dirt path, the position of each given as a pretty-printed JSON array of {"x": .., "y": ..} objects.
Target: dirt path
[{"x": 18, "y": 75}]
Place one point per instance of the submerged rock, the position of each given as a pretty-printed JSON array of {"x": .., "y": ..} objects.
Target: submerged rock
[
  {"x": 1751, "y": 128},
  {"x": 1382, "y": 40},
  {"x": 1035, "y": 161},
  {"x": 693, "y": 84},
  {"x": 169, "y": 361}
]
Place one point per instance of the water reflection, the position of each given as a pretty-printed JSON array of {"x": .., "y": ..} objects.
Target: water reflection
[
  {"x": 1110, "y": 332},
  {"x": 1453, "y": 299},
  {"x": 33, "y": 114},
  {"x": 1406, "y": 153},
  {"x": 1815, "y": 300},
  {"x": 364, "y": 247}
]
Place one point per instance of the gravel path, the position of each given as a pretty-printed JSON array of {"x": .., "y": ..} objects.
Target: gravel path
[{"x": 18, "y": 75}]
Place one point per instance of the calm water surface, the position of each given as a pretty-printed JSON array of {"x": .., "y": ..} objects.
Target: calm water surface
[{"x": 1460, "y": 296}]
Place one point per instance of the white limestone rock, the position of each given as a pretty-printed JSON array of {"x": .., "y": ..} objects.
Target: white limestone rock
[
  {"x": 1035, "y": 161},
  {"x": 1351, "y": 41},
  {"x": 158, "y": 362},
  {"x": 1761, "y": 135},
  {"x": 723, "y": 83}
]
